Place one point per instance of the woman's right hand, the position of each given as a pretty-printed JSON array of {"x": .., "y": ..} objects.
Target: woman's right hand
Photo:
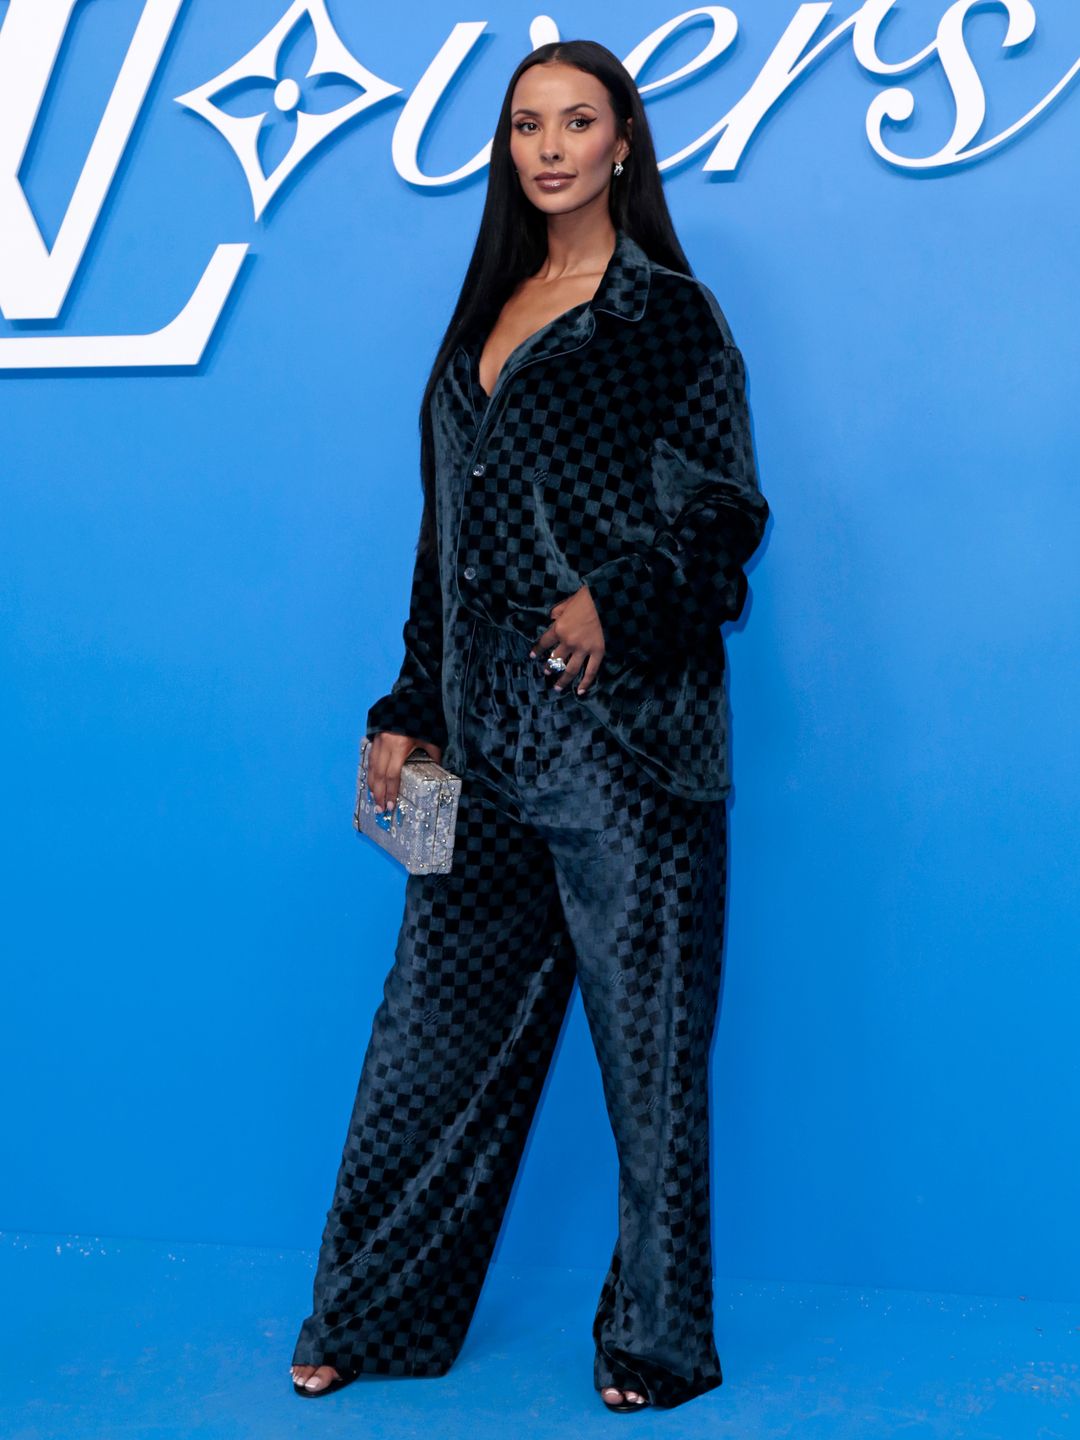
[{"x": 386, "y": 755}]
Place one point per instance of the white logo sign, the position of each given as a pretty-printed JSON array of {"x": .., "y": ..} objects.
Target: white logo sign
[{"x": 35, "y": 280}]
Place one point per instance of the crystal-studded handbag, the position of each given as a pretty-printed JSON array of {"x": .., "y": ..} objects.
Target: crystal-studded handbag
[{"x": 419, "y": 831}]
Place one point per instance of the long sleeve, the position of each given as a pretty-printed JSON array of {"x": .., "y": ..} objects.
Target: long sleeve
[
  {"x": 414, "y": 705},
  {"x": 676, "y": 592}
]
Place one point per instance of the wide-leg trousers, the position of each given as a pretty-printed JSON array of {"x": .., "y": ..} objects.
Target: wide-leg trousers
[{"x": 568, "y": 861}]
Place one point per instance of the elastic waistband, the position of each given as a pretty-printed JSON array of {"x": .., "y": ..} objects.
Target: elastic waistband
[{"x": 508, "y": 644}]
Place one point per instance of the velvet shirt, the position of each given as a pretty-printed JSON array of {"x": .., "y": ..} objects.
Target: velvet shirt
[{"x": 614, "y": 452}]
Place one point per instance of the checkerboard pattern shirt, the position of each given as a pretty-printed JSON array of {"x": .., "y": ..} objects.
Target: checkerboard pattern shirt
[{"x": 615, "y": 452}]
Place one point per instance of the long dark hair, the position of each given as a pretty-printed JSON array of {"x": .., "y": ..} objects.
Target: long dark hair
[{"x": 511, "y": 241}]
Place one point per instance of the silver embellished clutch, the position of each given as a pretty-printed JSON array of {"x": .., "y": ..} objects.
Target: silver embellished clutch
[{"x": 419, "y": 831}]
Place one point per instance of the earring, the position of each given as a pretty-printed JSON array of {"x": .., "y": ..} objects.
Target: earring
[{"x": 618, "y": 167}]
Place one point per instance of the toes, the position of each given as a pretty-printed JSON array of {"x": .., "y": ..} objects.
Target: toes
[
  {"x": 320, "y": 1378},
  {"x": 614, "y": 1396},
  {"x": 313, "y": 1377}
]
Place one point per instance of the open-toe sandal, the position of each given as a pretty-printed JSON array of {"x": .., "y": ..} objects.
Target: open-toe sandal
[{"x": 337, "y": 1383}]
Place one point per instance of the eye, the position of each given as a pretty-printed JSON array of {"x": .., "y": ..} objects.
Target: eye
[{"x": 585, "y": 120}]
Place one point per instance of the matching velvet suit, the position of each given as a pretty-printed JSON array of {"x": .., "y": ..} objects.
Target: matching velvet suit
[{"x": 615, "y": 452}]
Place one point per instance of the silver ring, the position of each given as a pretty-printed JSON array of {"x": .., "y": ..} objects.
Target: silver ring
[{"x": 555, "y": 662}]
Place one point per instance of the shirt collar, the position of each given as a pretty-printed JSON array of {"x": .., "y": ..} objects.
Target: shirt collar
[
  {"x": 623, "y": 291},
  {"x": 624, "y": 285},
  {"x": 623, "y": 288}
]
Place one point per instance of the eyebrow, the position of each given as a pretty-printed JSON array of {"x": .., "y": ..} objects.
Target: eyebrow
[{"x": 522, "y": 110}]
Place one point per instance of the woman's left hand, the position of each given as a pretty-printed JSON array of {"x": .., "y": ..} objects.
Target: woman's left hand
[{"x": 577, "y": 637}]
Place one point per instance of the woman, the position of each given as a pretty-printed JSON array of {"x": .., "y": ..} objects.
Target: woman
[{"x": 590, "y": 504}]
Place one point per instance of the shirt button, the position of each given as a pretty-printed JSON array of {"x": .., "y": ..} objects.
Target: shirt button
[
  {"x": 479, "y": 469},
  {"x": 469, "y": 572}
]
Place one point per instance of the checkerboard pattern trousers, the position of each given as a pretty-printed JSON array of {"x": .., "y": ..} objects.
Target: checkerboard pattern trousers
[{"x": 568, "y": 861}]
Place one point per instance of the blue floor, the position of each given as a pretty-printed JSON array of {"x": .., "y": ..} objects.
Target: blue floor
[{"x": 150, "y": 1340}]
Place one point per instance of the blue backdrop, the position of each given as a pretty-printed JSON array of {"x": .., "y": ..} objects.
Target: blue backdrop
[{"x": 203, "y": 578}]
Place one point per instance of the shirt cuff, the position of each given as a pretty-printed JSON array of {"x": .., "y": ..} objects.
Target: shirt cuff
[{"x": 411, "y": 711}]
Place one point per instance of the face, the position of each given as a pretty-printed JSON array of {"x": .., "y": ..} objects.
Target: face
[{"x": 562, "y": 122}]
